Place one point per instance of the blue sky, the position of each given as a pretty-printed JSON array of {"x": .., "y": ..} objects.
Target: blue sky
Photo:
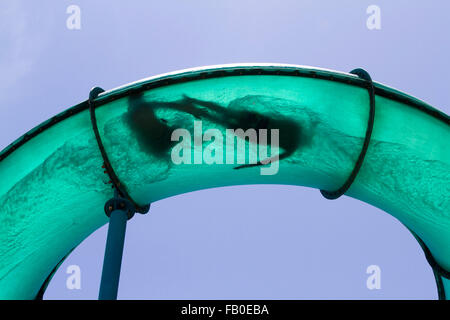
[{"x": 265, "y": 241}]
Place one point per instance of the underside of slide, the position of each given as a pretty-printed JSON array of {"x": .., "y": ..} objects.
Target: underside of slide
[{"x": 54, "y": 188}]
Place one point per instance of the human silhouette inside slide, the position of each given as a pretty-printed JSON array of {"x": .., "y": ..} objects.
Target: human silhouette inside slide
[{"x": 154, "y": 133}]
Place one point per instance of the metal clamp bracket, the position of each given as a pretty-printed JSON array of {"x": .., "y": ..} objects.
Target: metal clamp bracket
[
  {"x": 117, "y": 184},
  {"x": 331, "y": 195}
]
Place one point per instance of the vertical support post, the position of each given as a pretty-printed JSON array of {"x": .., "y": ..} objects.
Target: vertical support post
[
  {"x": 118, "y": 210},
  {"x": 113, "y": 255}
]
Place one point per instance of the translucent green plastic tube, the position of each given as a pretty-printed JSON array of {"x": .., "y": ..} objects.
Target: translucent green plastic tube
[{"x": 53, "y": 186}]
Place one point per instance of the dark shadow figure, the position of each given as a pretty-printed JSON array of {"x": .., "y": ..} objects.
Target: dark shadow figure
[{"x": 154, "y": 134}]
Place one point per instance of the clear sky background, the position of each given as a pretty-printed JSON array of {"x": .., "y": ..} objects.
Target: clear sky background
[{"x": 261, "y": 242}]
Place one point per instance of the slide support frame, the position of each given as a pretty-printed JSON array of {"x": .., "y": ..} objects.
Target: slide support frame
[{"x": 119, "y": 211}]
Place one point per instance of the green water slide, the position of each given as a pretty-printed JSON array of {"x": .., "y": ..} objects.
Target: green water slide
[{"x": 54, "y": 185}]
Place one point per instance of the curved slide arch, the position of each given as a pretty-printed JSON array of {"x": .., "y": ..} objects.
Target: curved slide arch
[{"x": 54, "y": 187}]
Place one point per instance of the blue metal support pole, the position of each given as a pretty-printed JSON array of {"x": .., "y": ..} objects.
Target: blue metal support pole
[
  {"x": 113, "y": 255},
  {"x": 118, "y": 210}
]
